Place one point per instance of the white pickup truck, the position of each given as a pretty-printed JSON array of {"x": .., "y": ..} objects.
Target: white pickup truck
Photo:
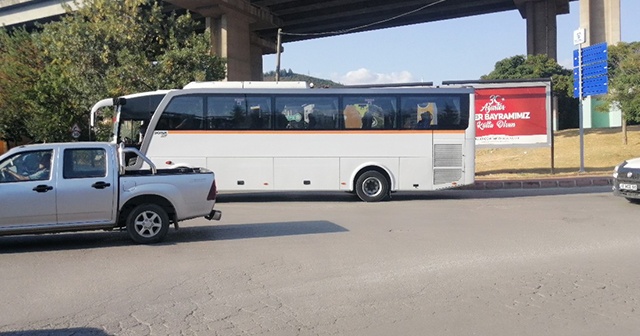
[{"x": 59, "y": 187}]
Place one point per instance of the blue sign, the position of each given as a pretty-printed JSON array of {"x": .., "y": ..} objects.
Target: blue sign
[
  {"x": 596, "y": 53},
  {"x": 594, "y": 68},
  {"x": 595, "y": 86}
]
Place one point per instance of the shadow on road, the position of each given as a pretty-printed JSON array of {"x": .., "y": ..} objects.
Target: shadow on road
[
  {"x": 186, "y": 234},
  {"x": 63, "y": 241},
  {"x": 253, "y": 230},
  {"x": 498, "y": 193},
  {"x": 269, "y": 197},
  {"x": 304, "y": 196}
]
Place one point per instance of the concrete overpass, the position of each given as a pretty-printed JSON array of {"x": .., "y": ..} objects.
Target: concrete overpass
[{"x": 244, "y": 30}]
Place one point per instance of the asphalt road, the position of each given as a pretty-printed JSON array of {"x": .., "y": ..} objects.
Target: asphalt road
[{"x": 465, "y": 262}]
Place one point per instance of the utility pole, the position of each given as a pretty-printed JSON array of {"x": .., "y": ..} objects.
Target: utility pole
[{"x": 278, "y": 46}]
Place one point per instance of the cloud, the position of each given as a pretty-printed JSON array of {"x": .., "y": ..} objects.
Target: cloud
[{"x": 366, "y": 76}]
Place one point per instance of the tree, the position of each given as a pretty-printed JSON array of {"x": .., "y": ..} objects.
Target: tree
[
  {"x": 541, "y": 66},
  {"x": 624, "y": 80},
  {"x": 20, "y": 63},
  {"x": 108, "y": 48},
  {"x": 624, "y": 83}
]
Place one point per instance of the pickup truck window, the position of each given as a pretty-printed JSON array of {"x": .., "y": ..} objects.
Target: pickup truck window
[
  {"x": 84, "y": 163},
  {"x": 26, "y": 166}
]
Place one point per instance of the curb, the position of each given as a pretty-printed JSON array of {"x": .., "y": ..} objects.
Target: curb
[{"x": 569, "y": 182}]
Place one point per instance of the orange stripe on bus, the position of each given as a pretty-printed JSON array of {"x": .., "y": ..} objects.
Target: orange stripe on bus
[{"x": 319, "y": 132}]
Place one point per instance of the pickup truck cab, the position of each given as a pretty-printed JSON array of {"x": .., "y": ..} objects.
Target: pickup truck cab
[{"x": 59, "y": 187}]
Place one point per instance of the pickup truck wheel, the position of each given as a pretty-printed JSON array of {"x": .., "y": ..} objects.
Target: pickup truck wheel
[{"x": 147, "y": 223}]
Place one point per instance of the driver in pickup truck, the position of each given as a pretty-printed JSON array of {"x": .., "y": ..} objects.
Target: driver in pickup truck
[{"x": 44, "y": 169}]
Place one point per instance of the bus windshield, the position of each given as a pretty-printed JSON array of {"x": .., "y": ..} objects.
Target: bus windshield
[{"x": 132, "y": 113}]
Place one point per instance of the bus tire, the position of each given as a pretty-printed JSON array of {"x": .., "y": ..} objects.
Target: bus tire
[
  {"x": 147, "y": 223},
  {"x": 372, "y": 186}
]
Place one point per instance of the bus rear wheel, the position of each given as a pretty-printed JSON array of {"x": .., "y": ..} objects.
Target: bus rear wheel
[{"x": 372, "y": 186}]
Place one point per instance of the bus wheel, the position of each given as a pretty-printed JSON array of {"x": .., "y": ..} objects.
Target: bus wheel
[
  {"x": 372, "y": 186},
  {"x": 147, "y": 224}
]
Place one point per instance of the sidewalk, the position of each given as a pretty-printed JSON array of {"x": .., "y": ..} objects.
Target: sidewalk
[{"x": 547, "y": 182}]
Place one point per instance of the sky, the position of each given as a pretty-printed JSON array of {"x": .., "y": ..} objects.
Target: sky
[{"x": 458, "y": 49}]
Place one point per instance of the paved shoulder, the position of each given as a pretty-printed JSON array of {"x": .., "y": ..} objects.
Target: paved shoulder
[{"x": 551, "y": 182}]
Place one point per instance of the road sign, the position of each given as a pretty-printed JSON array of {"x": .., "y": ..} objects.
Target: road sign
[
  {"x": 594, "y": 70},
  {"x": 579, "y": 36},
  {"x": 594, "y": 54},
  {"x": 75, "y": 131},
  {"x": 590, "y": 76},
  {"x": 590, "y": 73}
]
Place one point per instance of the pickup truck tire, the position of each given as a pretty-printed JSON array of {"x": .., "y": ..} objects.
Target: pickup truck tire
[{"x": 147, "y": 223}]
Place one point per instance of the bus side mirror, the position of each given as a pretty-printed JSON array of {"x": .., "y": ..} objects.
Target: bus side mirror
[{"x": 119, "y": 101}]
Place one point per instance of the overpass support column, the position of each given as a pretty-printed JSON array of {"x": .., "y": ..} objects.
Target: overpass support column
[
  {"x": 232, "y": 39},
  {"x": 541, "y": 28},
  {"x": 541, "y": 24},
  {"x": 230, "y": 23},
  {"x": 601, "y": 18}
]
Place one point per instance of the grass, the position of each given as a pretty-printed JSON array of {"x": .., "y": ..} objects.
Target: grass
[{"x": 603, "y": 150}]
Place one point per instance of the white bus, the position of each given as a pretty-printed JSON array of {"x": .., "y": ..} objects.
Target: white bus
[{"x": 370, "y": 141}]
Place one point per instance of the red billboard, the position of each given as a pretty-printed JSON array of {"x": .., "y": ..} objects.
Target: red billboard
[{"x": 513, "y": 114}]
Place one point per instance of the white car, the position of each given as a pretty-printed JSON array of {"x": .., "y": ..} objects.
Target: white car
[{"x": 626, "y": 179}]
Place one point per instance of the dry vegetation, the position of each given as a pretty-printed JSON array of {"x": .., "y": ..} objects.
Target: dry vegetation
[{"x": 603, "y": 149}]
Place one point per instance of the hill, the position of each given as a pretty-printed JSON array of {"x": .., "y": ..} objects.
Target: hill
[{"x": 290, "y": 76}]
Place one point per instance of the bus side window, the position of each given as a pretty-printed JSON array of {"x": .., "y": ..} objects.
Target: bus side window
[
  {"x": 290, "y": 112},
  {"x": 322, "y": 114},
  {"x": 182, "y": 113},
  {"x": 408, "y": 122},
  {"x": 414, "y": 108},
  {"x": 259, "y": 112},
  {"x": 449, "y": 116},
  {"x": 227, "y": 113},
  {"x": 369, "y": 112},
  {"x": 352, "y": 118},
  {"x": 281, "y": 120}
]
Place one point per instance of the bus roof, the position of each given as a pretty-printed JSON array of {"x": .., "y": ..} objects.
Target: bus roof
[
  {"x": 247, "y": 85},
  {"x": 325, "y": 91}
]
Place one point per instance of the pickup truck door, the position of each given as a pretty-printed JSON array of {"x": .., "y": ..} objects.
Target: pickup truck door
[
  {"x": 27, "y": 196},
  {"x": 87, "y": 189}
]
